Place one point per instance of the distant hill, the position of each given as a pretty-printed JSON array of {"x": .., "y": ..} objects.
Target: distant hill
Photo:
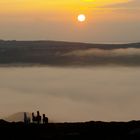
[
  {"x": 17, "y": 117},
  {"x": 54, "y": 53}
]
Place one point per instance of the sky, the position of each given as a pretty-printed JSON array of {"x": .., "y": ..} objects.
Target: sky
[{"x": 106, "y": 20}]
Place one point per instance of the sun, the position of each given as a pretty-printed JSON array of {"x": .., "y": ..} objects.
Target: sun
[{"x": 81, "y": 18}]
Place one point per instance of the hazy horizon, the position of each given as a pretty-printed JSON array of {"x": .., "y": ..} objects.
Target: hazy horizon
[{"x": 100, "y": 42}]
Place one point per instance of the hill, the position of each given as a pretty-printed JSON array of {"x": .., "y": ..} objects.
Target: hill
[
  {"x": 17, "y": 117},
  {"x": 54, "y": 53},
  {"x": 71, "y": 131}
]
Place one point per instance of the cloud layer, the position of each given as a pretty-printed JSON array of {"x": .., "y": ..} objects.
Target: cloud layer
[
  {"x": 130, "y": 4},
  {"x": 72, "y": 94},
  {"x": 105, "y": 53}
]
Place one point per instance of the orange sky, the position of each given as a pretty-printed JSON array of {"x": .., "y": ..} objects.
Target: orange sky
[
  {"x": 33, "y": 6},
  {"x": 57, "y": 20}
]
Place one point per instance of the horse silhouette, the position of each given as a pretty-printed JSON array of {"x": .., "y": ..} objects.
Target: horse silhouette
[
  {"x": 36, "y": 119},
  {"x": 45, "y": 119},
  {"x": 26, "y": 118}
]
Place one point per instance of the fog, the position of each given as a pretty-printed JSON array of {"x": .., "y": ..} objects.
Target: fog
[
  {"x": 105, "y": 53},
  {"x": 72, "y": 94}
]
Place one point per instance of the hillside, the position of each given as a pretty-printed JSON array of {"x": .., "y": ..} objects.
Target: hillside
[
  {"x": 53, "y": 53},
  {"x": 71, "y": 131}
]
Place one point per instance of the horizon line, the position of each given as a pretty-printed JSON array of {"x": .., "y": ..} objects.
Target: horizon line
[{"x": 65, "y": 41}]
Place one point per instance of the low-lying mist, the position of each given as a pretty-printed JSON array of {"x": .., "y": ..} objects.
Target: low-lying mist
[
  {"x": 105, "y": 53},
  {"x": 72, "y": 94}
]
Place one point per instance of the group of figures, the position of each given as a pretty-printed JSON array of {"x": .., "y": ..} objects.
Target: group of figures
[{"x": 36, "y": 118}]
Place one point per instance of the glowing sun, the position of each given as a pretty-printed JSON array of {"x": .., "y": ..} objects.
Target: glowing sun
[{"x": 81, "y": 18}]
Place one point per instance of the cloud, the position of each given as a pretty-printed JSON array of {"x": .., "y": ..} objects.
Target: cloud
[
  {"x": 105, "y": 53},
  {"x": 99, "y": 3},
  {"x": 100, "y": 57},
  {"x": 129, "y": 4},
  {"x": 72, "y": 94}
]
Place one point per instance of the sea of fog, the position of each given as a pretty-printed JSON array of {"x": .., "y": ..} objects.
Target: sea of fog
[{"x": 72, "y": 94}]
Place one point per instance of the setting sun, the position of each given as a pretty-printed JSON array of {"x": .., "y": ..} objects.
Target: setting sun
[
  {"x": 81, "y": 18},
  {"x": 70, "y": 69}
]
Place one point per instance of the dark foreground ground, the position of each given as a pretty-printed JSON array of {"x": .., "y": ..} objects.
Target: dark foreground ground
[{"x": 71, "y": 131}]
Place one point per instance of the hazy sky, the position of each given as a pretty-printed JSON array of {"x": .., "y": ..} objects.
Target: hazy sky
[{"x": 107, "y": 20}]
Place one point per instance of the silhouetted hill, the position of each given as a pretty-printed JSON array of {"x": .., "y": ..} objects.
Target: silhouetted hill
[
  {"x": 54, "y": 53},
  {"x": 71, "y": 131}
]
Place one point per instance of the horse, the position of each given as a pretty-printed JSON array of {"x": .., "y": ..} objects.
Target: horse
[{"x": 36, "y": 119}]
